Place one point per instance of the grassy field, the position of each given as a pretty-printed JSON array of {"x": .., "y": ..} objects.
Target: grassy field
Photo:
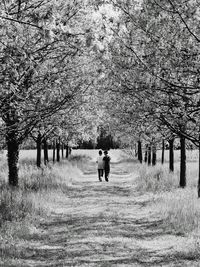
[{"x": 62, "y": 216}]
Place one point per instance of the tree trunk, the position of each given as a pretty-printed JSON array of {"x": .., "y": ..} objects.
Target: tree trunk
[
  {"x": 163, "y": 152},
  {"x": 67, "y": 152},
  {"x": 149, "y": 154},
  {"x": 39, "y": 149},
  {"x": 183, "y": 163},
  {"x": 62, "y": 147},
  {"x": 46, "y": 156},
  {"x": 13, "y": 157},
  {"x": 171, "y": 155},
  {"x": 54, "y": 151},
  {"x": 154, "y": 155},
  {"x": 140, "y": 151},
  {"x": 58, "y": 150},
  {"x": 146, "y": 153}
]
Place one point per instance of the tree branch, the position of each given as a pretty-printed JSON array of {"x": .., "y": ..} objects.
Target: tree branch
[
  {"x": 184, "y": 22},
  {"x": 22, "y": 22}
]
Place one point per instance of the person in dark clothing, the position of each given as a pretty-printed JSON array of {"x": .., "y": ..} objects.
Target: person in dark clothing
[{"x": 106, "y": 160}]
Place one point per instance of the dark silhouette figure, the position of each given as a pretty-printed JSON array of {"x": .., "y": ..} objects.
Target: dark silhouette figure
[{"x": 106, "y": 160}]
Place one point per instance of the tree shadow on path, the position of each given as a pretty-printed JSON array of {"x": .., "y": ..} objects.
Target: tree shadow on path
[{"x": 101, "y": 224}]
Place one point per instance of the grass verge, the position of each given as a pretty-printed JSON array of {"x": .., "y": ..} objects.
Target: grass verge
[
  {"x": 155, "y": 179},
  {"x": 179, "y": 208},
  {"x": 21, "y": 209}
]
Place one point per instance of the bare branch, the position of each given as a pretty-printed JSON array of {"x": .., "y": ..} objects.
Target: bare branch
[
  {"x": 184, "y": 22},
  {"x": 22, "y": 22}
]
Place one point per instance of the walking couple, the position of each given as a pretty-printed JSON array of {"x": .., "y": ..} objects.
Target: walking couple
[{"x": 103, "y": 165}]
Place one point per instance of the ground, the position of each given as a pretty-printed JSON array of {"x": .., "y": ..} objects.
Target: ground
[{"x": 103, "y": 224}]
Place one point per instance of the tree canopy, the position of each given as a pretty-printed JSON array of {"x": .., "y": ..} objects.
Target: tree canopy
[{"x": 78, "y": 67}]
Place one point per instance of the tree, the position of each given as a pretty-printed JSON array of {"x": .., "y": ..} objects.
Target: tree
[
  {"x": 37, "y": 73},
  {"x": 155, "y": 57}
]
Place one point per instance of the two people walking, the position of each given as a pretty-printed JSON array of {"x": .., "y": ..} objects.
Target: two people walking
[{"x": 103, "y": 162}]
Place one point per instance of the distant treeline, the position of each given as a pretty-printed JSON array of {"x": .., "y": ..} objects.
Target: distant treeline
[{"x": 102, "y": 142}]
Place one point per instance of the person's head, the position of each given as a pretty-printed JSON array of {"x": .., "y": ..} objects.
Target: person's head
[
  {"x": 105, "y": 152},
  {"x": 100, "y": 152}
]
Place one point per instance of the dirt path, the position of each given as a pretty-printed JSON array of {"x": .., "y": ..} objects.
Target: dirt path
[{"x": 103, "y": 224}]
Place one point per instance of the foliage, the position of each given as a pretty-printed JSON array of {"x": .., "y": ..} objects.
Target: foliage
[
  {"x": 69, "y": 67},
  {"x": 44, "y": 69},
  {"x": 157, "y": 63},
  {"x": 106, "y": 139},
  {"x": 36, "y": 45}
]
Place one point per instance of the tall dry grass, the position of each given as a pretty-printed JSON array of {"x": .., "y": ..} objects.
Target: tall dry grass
[
  {"x": 155, "y": 179},
  {"x": 39, "y": 189},
  {"x": 15, "y": 203},
  {"x": 179, "y": 208}
]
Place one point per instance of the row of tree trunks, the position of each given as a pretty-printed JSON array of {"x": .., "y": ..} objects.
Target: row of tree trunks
[
  {"x": 39, "y": 142},
  {"x": 147, "y": 156},
  {"x": 151, "y": 152},
  {"x": 57, "y": 148},
  {"x": 150, "y": 155},
  {"x": 150, "y": 158}
]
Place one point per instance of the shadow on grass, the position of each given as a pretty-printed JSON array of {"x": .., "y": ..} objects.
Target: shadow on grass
[{"x": 100, "y": 241}]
